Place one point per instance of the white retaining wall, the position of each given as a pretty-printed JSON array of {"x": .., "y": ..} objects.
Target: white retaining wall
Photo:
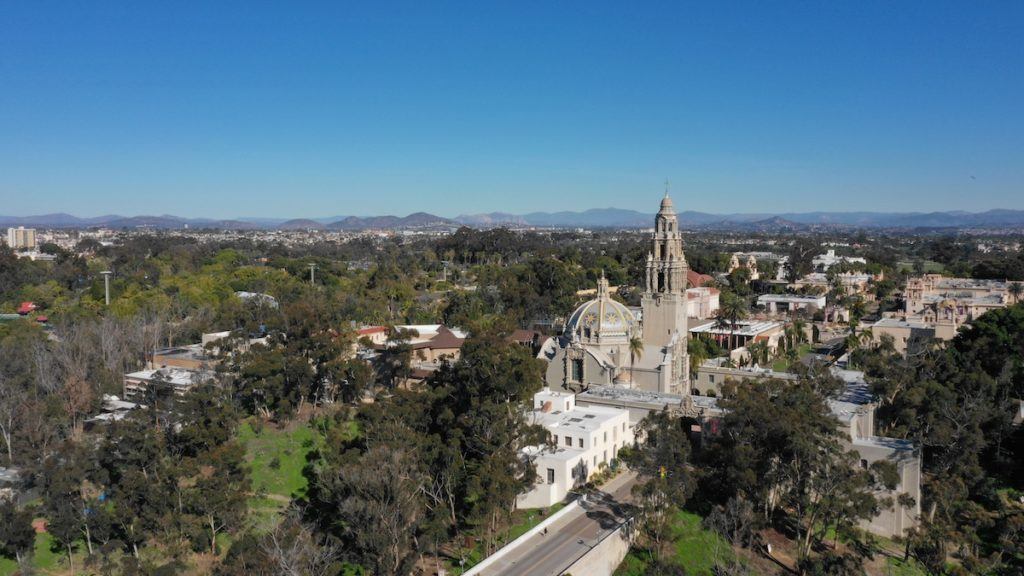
[{"x": 529, "y": 534}]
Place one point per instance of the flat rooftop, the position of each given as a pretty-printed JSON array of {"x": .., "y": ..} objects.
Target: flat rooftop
[
  {"x": 900, "y": 323},
  {"x": 175, "y": 376},
  {"x": 189, "y": 352},
  {"x": 970, "y": 283},
  {"x": 894, "y": 444},
  {"x": 790, "y": 298},
  {"x": 579, "y": 419},
  {"x": 621, "y": 394},
  {"x": 742, "y": 328},
  {"x": 558, "y": 453},
  {"x": 965, "y": 297}
]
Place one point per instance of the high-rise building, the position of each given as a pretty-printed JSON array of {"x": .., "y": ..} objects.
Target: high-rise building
[{"x": 21, "y": 238}]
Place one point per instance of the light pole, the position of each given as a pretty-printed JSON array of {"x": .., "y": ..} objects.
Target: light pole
[{"x": 106, "y": 285}]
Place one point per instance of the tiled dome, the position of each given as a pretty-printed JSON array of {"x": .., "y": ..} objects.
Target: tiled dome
[{"x": 601, "y": 318}]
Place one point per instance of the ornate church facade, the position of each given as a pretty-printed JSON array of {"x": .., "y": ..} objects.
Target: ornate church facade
[{"x": 605, "y": 342}]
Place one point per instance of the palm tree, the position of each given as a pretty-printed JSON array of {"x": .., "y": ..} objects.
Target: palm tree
[
  {"x": 1016, "y": 289},
  {"x": 698, "y": 352},
  {"x": 636, "y": 350},
  {"x": 856, "y": 306},
  {"x": 758, "y": 352},
  {"x": 795, "y": 334},
  {"x": 855, "y": 341},
  {"x": 731, "y": 310}
]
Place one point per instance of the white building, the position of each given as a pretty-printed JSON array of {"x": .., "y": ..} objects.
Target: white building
[
  {"x": 745, "y": 332},
  {"x": 21, "y": 238},
  {"x": 180, "y": 380},
  {"x": 582, "y": 440},
  {"x": 852, "y": 282},
  {"x": 823, "y": 262},
  {"x": 789, "y": 302},
  {"x": 702, "y": 302}
]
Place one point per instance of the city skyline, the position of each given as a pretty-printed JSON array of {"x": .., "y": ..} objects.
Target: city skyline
[{"x": 220, "y": 112}]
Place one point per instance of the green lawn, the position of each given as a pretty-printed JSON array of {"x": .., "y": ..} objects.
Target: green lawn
[
  {"x": 696, "y": 549},
  {"x": 782, "y": 364},
  {"x": 898, "y": 567},
  {"x": 44, "y": 559},
  {"x": 277, "y": 457},
  {"x": 525, "y": 520}
]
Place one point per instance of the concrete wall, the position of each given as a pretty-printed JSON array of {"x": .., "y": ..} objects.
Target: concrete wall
[
  {"x": 606, "y": 555},
  {"x": 487, "y": 562}
]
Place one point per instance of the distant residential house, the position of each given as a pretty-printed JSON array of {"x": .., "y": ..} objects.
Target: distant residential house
[
  {"x": 529, "y": 339},
  {"x": 433, "y": 342},
  {"x": 431, "y": 345}
]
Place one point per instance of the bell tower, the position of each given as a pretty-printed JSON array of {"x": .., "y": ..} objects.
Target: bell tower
[{"x": 664, "y": 297}]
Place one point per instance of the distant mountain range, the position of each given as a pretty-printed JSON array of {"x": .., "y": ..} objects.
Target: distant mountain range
[
  {"x": 594, "y": 218},
  {"x": 619, "y": 218}
]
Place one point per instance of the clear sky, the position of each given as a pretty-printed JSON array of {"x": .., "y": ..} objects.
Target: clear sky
[{"x": 290, "y": 109}]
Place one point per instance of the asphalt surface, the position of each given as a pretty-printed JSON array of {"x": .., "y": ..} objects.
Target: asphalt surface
[{"x": 571, "y": 536}]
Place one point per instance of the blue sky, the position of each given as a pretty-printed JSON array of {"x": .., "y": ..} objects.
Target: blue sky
[{"x": 291, "y": 109}]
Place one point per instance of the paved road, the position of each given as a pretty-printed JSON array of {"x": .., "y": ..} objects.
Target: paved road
[{"x": 571, "y": 536}]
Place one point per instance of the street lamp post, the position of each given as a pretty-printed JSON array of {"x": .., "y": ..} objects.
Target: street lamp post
[{"x": 106, "y": 285}]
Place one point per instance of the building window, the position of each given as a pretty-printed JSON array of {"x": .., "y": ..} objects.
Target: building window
[
  {"x": 604, "y": 456},
  {"x": 551, "y": 475},
  {"x": 864, "y": 464},
  {"x": 580, "y": 442},
  {"x": 568, "y": 440},
  {"x": 605, "y": 440},
  {"x": 711, "y": 378},
  {"x": 577, "y": 370}
]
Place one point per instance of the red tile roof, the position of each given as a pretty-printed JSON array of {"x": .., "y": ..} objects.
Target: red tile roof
[{"x": 696, "y": 279}]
